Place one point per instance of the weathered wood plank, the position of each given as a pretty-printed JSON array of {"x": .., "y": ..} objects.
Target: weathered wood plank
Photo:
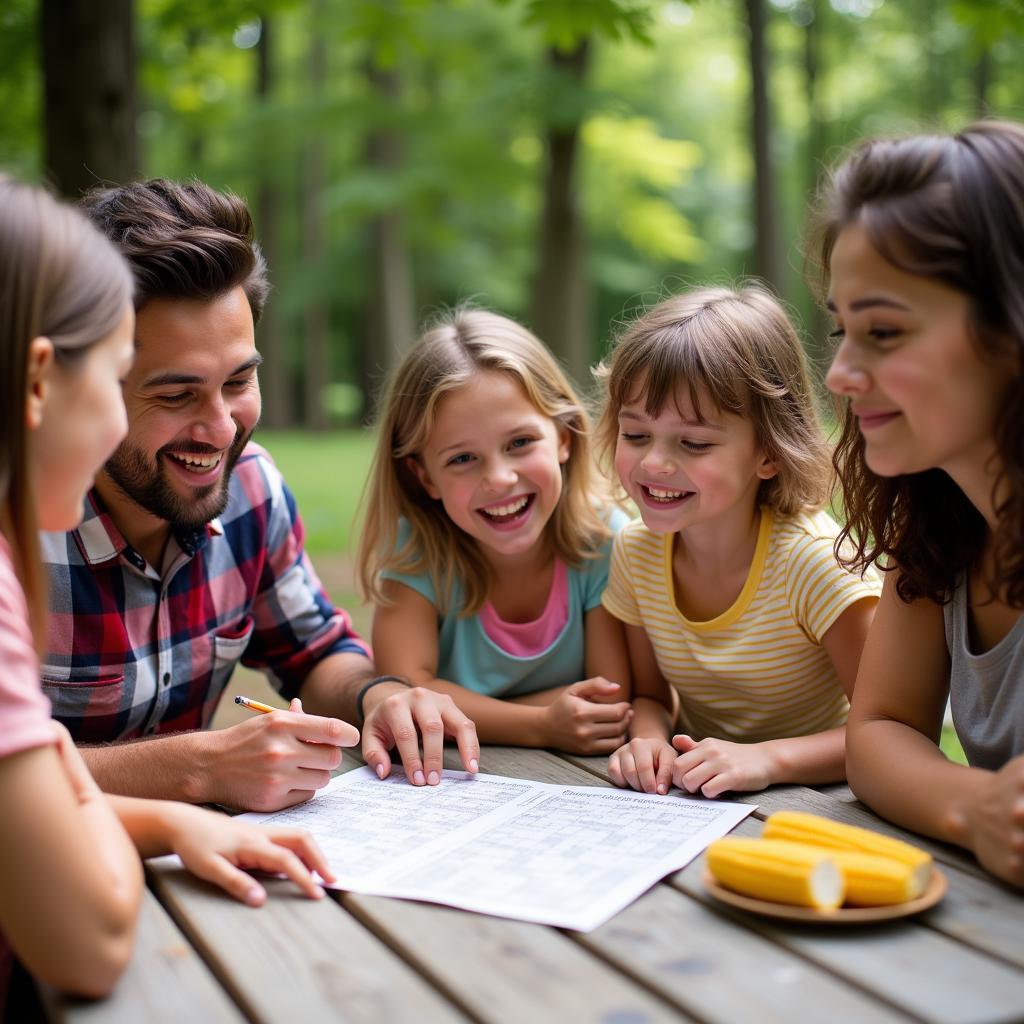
[
  {"x": 722, "y": 973},
  {"x": 166, "y": 983},
  {"x": 905, "y": 963},
  {"x": 977, "y": 911},
  {"x": 296, "y": 959},
  {"x": 500, "y": 970}
]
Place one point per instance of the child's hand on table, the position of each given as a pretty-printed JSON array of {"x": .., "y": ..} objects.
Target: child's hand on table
[
  {"x": 222, "y": 851},
  {"x": 644, "y": 764},
  {"x": 715, "y": 766},
  {"x": 580, "y": 721}
]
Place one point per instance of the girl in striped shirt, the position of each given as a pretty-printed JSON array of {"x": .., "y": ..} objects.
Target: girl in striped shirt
[{"x": 744, "y": 631}]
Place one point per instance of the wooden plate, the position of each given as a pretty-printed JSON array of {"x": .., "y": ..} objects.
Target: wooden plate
[{"x": 843, "y": 915}]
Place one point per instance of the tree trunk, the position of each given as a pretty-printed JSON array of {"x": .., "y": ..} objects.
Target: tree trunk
[
  {"x": 88, "y": 58},
  {"x": 982, "y": 83},
  {"x": 767, "y": 261},
  {"x": 813, "y": 29},
  {"x": 392, "y": 316},
  {"x": 560, "y": 299},
  {"x": 275, "y": 373},
  {"x": 316, "y": 320}
]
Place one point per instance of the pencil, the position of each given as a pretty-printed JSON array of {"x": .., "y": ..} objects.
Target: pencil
[{"x": 255, "y": 705}]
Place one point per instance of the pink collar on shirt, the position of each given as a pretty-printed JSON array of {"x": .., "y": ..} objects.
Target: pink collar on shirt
[{"x": 528, "y": 639}]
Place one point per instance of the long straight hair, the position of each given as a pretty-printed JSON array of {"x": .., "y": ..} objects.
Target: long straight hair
[
  {"x": 459, "y": 346},
  {"x": 59, "y": 279}
]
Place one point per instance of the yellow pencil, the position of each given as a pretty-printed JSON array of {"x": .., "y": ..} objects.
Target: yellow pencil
[{"x": 255, "y": 705}]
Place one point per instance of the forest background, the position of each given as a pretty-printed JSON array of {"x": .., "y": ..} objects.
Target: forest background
[{"x": 565, "y": 162}]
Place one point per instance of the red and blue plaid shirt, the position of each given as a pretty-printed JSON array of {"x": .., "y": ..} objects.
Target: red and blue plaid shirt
[{"x": 133, "y": 651}]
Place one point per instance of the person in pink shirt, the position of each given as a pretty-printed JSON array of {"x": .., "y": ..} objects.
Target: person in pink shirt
[{"x": 70, "y": 875}]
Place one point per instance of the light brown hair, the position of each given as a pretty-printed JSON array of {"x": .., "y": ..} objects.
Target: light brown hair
[
  {"x": 737, "y": 349},
  {"x": 59, "y": 279},
  {"x": 458, "y": 346}
]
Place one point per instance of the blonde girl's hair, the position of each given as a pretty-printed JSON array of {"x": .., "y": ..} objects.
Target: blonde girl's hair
[
  {"x": 737, "y": 349},
  {"x": 59, "y": 279},
  {"x": 457, "y": 347}
]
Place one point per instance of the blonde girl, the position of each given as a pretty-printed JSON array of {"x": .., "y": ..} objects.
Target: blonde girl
[
  {"x": 485, "y": 549},
  {"x": 735, "y": 608},
  {"x": 921, "y": 241},
  {"x": 70, "y": 876}
]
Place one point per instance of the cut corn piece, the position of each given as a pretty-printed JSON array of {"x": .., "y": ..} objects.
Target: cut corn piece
[
  {"x": 799, "y": 827},
  {"x": 782, "y": 872},
  {"x": 873, "y": 881}
]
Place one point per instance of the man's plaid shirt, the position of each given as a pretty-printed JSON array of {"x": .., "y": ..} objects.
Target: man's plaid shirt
[{"x": 134, "y": 652}]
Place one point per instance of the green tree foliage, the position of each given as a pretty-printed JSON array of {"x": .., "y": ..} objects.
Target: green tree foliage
[{"x": 665, "y": 167}]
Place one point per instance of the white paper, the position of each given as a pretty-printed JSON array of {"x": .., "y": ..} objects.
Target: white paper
[{"x": 569, "y": 856}]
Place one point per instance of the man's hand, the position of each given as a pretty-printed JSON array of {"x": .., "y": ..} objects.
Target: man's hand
[
  {"x": 401, "y": 716},
  {"x": 272, "y": 760},
  {"x": 581, "y": 721},
  {"x": 644, "y": 764},
  {"x": 995, "y": 823},
  {"x": 716, "y": 766}
]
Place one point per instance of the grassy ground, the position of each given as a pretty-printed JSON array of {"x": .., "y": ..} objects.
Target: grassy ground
[{"x": 326, "y": 472}]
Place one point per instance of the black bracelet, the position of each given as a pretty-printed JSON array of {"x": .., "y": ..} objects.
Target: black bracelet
[{"x": 369, "y": 685}]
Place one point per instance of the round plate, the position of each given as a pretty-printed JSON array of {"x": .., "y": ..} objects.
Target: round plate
[{"x": 843, "y": 915}]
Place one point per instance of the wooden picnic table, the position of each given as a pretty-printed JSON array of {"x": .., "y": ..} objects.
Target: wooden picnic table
[{"x": 674, "y": 955}]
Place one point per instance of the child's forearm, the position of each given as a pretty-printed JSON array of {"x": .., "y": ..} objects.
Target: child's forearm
[
  {"x": 651, "y": 720},
  {"x": 149, "y": 823},
  {"x": 497, "y": 721},
  {"x": 808, "y": 760}
]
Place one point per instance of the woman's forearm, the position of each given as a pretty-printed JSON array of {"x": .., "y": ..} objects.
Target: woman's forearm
[{"x": 903, "y": 776}]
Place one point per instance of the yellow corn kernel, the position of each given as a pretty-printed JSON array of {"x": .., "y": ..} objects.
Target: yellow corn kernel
[
  {"x": 798, "y": 827},
  {"x": 768, "y": 869},
  {"x": 873, "y": 881}
]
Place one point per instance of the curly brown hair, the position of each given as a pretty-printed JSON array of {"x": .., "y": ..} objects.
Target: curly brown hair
[
  {"x": 183, "y": 241},
  {"x": 949, "y": 208}
]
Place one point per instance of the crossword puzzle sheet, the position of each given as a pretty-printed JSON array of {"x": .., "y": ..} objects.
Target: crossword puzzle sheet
[{"x": 569, "y": 856}]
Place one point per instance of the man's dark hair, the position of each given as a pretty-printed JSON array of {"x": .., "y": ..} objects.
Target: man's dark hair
[{"x": 182, "y": 241}]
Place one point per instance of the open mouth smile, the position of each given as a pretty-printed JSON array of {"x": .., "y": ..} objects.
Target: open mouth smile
[
  {"x": 197, "y": 470},
  {"x": 197, "y": 463},
  {"x": 663, "y": 497},
  {"x": 507, "y": 513}
]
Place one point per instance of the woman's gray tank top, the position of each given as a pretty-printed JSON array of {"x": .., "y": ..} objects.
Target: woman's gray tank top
[{"x": 986, "y": 690}]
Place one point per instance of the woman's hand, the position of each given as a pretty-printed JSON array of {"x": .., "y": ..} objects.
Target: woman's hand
[{"x": 994, "y": 821}]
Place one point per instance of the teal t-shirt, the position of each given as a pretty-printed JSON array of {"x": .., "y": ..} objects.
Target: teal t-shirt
[{"x": 469, "y": 657}]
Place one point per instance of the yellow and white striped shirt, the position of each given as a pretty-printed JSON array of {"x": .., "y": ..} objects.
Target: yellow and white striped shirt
[{"x": 758, "y": 671}]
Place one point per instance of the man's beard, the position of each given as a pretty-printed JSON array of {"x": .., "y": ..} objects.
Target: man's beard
[{"x": 146, "y": 484}]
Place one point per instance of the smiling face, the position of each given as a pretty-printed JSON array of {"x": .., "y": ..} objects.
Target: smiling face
[
  {"x": 495, "y": 462},
  {"x": 922, "y": 395},
  {"x": 193, "y": 401},
  {"x": 682, "y": 471},
  {"x": 77, "y": 425}
]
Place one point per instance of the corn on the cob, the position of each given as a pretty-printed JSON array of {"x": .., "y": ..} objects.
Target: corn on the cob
[
  {"x": 798, "y": 827},
  {"x": 873, "y": 881},
  {"x": 778, "y": 871}
]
